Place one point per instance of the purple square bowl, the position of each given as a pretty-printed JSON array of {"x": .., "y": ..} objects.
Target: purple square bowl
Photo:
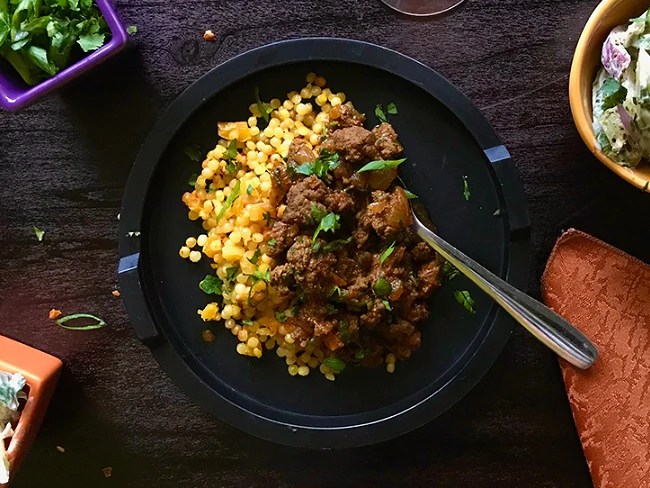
[{"x": 15, "y": 93}]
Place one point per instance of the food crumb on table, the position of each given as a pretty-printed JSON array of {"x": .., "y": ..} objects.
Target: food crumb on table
[
  {"x": 108, "y": 471},
  {"x": 116, "y": 293},
  {"x": 54, "y": 314},
  {"x": 60, "y": 449},
  {"x": 209, "y": 36}
]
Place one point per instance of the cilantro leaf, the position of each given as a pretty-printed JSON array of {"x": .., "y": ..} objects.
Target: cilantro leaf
[
  {"x": 268, "y": 218},
  {"x": 387, "y": 164},
  {"x": 39, "y": 234},
  {"x": 335, "y": 364},
  {"x": 387, "y": 305},
  {"x": 317, "y": 214},
  {"x": 410, "y": 195},
  {"x": 229, "y": 201},
  {"x": 387, "y": 253},
  {"x": 132, "y": 30},
  {"x": 231, "y": 273},
  {"x": 232, "y": 149},
  {"x": 466, "y": 192},
  {"x": 391, "y": 108},
  {"x": 194, "y": 152},
  {"x": 360, "y": 354},
  {"x": 465, "y": 299},
  {"x": 271, "y": 242},
  {"x": 449, "y": 271},
  {"x": 264, "y": 108},
  {"x": 281, "y": 317},
  {"x": 337, "y": 244},
  {"x": 255, "y": 257},
  {"x": 211, "y": 284},
  {"x": 321, "y": 166},
  {"x": 249, "y": 190},
  {"x": 192, "y": 180},
  {"x": 382, "y": 287},
  {"x": 379, "y": 113},
  {"x": 91, "y": 42},
  {"x": 328, "y": 223},
  {"x": 612, "y": 93},
  {"x": 259, "y": 275}
]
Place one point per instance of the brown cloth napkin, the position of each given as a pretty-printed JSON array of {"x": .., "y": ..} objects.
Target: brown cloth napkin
[{"x": 606, "y": 294}]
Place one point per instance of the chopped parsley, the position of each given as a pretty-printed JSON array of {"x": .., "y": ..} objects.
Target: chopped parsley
[
  {"x": 612, "y": 93},
  {"x": 379, "y": 113},
  {"x": 320, "y": 167},
  {"x": 281, "y": 317},
  {"x": 231, "y": 273},
  {"x": 465, "y": 299},
  {"x": 132, "y": 30},
  {"x": 335, "y": 293},
  {"x": 377, "y": 165},
  {"x": 211, "y": 284},
  {"x": 194, "y": 152},
  {"x": 387, "y": 253},
  {"x": 247, "y": 322},
  {"x": 192, "y": 180},
  {"x": 39, "y": 234},
  {"x": 328, "y": 223},
  {"x": 264, "y": 108},
  {"x": 382, "y": 287},
  {"x": 391, "y": 108},
  {"x": 387, "y": 305},
  {"x": 255, "y": 257},
  {"x": 450, "y": 271},
  {"x": 229, "y": 201},
  {"x": 335, "y": 364},
  {"x": 360, "y": 354},
  {"x": 268, "y": 218},
  {"x": 271, "y": 242},
  {"x": 232, "y": 149},
  {"x": 249, "y": 190},
  {"x": 337, "y": 244},
  {"x": 317, "y": 214},
  {"x": 410, "y": 195},
  {"x": 466, "y": 192},
  {"x": 344, "y": 331}
]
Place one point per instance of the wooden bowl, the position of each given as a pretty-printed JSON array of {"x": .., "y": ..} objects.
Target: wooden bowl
[
  {"x": 586, "y": 62},
  {"x": 41, "y": 372}
]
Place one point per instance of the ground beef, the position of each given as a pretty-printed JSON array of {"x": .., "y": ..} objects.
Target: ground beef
[
  {"x": 345, "y": 288},
  {"x": 281, "y": 182}
]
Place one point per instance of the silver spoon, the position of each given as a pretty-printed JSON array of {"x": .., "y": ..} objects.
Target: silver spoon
[{"x": 549, "y": 328}]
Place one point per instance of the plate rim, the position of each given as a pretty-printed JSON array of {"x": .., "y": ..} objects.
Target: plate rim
[{"x": 223, "y": 76}]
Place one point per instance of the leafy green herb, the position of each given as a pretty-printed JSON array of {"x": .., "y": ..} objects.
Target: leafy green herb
[
  {"x": 231, "y": 273},
  {"x": 387, "y": 164},
  {"x": 247, "y": 322},
  {"x": 320, "y": 167},
  {"x": 268, "y": 218},
  {"x": 612, "y": 93},
  {"x": 39, "y": 234},
  {"x": 132, "y": 30},
  {"x": 337, "y": 244},
  {"x": 450, "y": 271},
  {"x": 391, "y": 108},
  {"x": 335, "y": 364},
  {"x": 259, "y": 275},
  {"x": 331, "y": 308},
  {"x": 410, "y": 195},
  {"x": 328, "y": 223},
  {"x": 466, "y": 192},
  {"x": 281, "y": 317},
  {"x": 271, "y": 242},
  {"x": 379, "y": 113},
  {"x": 387, "y": 305},
  {"x": 249, "y": 190},
  {"x": 465, "y": 299},
  {"x": 344, "y": 330},
  {"x": 194, "y": 152},
  {"x": 264, "y": 108},
  {"x": 211, "y": 284},
  {"x": 192, "y": 180},
  {"x": 382, "y": 287},
  {"x": 230, "y": 200},
  {"x": 335, "y": 293},
  {"x": 387, "y": 253},
  {"x": 311, "y": 341},
  {"x": 317, "y": 214},
  {"x": 255, "y": 257},
  {"x": 98, "y": 325},
  {"x": 232, "y": 149},
  {"x": 40, "y": 38},
  {"x": 233, "y": 166}
]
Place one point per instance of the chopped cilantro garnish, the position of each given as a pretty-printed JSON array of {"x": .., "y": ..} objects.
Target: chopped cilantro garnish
[
  {"x": 328, "y": 223},
  {"x": 335, "y": 364},
  {"x": 271, "y": 242},
  {"x": 232, "y": 149},
  {"x": 229, "y": 201},
  {"x": 376, "y": 165},
  {"x": 465, "y": 299},
  {"x": 317, "y": 214},
  {"x": 387, "y": 305},
  {"x": 466, "y": 192},
  {"x": 247, "y": 322},
  {"x": 410, "y": 195},
  {"x": 268, "y": 218},
  {"x": 320, "y": 167},
  {"x": 211, "y": 284},
  {"x": 255, "y": 257},
  {"x": 379, "y": 113},
  {"x": 264, "y": 108},
  {"x": 194, "y": 152},
  {"x": 360, "y": 354},
  {"x": 280, "y": 317},
  {"x": 382, "y": 287},
  {"x": 39, "y": 233},
  {"x": 391, "y": 108},
  {"x": 449, "y": 270},
  {"x": 259, "y": 275},
  {"x": 335, "y": 293},
  {"x": 612, "y": 93},
  {"x": 192, "y": 180},
  {"x": 231, "y": 273},
  {"x": 387, "y": 253},
  {"x": 249, "y": 190},
  {"x": 132, "y": 30},
  {"x": 337, "y": 244}
]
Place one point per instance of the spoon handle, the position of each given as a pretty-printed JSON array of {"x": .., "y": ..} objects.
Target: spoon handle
[{"x": 549, "y": 328}]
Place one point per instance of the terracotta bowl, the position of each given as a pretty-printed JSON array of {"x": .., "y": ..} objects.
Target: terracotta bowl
[
  {"x": 41, "y": 372},
  {"x": 586, "y": 62}
]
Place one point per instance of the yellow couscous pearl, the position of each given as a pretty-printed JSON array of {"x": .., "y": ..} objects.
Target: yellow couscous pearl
[
  {"x": 184, "y": 252},
  {"x": 390, "y": 367},
  {"x": 195, "y": 256},
  {"x": 303, "y": 370}
]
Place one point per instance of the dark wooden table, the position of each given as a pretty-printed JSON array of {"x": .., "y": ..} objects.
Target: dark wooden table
[{"x": 63, "y": 166}]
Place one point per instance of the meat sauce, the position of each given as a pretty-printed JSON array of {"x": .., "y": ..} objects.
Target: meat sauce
[{"x": 361, "y": 284}]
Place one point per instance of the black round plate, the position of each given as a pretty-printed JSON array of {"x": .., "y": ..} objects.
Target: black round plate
[{"x": 446, "y": 139}]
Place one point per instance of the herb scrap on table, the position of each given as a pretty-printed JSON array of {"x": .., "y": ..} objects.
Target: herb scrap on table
[
  {"x": 465, "y": 299},
  {"x": 466, "y": 192}
]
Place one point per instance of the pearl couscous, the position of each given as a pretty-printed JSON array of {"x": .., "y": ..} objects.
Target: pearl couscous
[{"x": 232, "y": 197}]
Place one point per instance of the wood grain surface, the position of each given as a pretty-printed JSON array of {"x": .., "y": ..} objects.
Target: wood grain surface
[{"x": 63, "y": 166}]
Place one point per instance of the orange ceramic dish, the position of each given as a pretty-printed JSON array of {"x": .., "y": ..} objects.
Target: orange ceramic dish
[
  {"x": 586, "y": 63},
  {"x": 41, "y": 372}
]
